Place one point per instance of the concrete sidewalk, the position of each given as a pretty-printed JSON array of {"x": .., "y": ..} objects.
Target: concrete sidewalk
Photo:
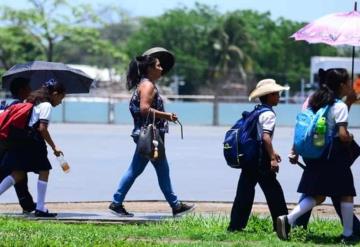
[
  {"x": 145, "y": 211},
  {"x": 103, "y": 217}
]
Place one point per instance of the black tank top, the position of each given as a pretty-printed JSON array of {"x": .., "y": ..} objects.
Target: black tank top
[{"x": 139, "y": 120}]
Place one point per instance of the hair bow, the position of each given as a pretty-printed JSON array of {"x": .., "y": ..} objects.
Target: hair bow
[{"x": 49, "y": 83}]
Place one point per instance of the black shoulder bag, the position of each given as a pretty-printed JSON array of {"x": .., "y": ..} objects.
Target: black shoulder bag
[{"x": 150, "y": 143}]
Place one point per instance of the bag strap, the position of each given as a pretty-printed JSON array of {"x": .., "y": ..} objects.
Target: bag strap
[
  {"x": 261, "y": 108},
  {"x": 153, "y": 117},
  {"x": 147, "y": 117},
  {"x": 181, "y": 128}
]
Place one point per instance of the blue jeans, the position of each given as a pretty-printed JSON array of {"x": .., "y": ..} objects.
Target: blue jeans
[{"x": 137, "y": 166}]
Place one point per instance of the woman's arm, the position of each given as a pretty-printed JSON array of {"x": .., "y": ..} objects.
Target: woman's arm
[
  {"x": 43, "y": 129},
  {"x": 344, "y": 134},
  {"x": 147, "y": 93}
]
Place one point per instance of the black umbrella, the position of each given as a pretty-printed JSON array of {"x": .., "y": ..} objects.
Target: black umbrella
[{"x": 38, "y": 72}]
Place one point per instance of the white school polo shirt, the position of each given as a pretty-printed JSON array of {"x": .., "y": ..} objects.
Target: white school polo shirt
[
  {"x": 338, "y": 115},
  {"x": 41, "y": 112},
  {"x": 266, "y": 123}
]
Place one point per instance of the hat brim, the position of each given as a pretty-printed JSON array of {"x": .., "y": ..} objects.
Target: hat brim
[
  {"x": 166, "y": 58},
  {"x": 258, "y": 92}
]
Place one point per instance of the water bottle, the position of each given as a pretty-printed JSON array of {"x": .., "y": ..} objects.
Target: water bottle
[
  {"x": 320, "y": 131},
  {"x": 63, "y": 163}
]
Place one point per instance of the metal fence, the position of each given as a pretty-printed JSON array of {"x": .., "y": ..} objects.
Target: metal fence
[{"x": 193, "y": 110}]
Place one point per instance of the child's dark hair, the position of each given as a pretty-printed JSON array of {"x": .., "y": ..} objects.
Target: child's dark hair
[
  {"x": 43, "y": 94},
  {"x": 263, "y": 99},
  {"x": 329, "y": 81},
  {"x": 17, "y": 84},
  {"x": 137, "y": 69}
]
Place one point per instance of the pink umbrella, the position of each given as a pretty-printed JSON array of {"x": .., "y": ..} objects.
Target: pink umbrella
[{"x": 334, "y": 29}]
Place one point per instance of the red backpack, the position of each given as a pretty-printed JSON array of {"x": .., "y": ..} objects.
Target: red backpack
[{"x": 15, "y": 116}]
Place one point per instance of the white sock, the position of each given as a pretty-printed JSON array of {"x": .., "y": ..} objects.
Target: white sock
[
  {"x": 304, "y": 205},
  {"x": 347, "y": 217},
  {"x": 6, "y": 184},
  {"x": 41, "y": 192}
]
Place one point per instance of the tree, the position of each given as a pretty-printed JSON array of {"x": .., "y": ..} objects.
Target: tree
[
  {"x": 102, "y": 47},
  {"x": 276, "y": 54},
  {"x": 227, "y": 56},
  {"x": 17, "y": 47},
  {"x": 227, "y": 59},
  {"x": 49, "y": 22},
  {"x": 184, "y": 32}
]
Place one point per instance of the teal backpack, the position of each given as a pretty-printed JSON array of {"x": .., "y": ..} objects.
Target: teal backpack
[{"x": 305, "y": 136}]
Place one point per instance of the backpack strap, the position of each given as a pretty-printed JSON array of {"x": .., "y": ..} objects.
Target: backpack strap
[
  {"x": 2, "y": 105},
  {"x": 261, "y": 108}
]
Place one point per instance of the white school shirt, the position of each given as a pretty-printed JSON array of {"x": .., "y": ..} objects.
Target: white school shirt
[
  {"x": 266, "y": 123},
  {"x": 41, "y": 112},
  {"x": 338, "y": 115}
]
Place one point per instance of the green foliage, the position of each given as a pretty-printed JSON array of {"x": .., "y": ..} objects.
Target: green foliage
[
  {"x": 184, "y": 32},
  {"x": 210, "y": 48},
  {"x": 276, "y": 54},
  {"x": 17, "y": 46},
  {"x": 51, "y": 23}
]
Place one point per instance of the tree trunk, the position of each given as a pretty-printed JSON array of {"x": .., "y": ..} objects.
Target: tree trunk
[{"x": 50, "y": 51}]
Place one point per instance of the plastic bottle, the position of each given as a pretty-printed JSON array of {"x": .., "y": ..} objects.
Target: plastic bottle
[
  {"x": 320, "y": 131},
  {"x": 63, "y": 163}
]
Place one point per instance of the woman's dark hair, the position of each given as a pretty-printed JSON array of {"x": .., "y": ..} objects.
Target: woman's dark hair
[
  {"x": 329, "y": 81},
  {"x": 137, "y": 69},
  {"x": 43, "y": 94}
]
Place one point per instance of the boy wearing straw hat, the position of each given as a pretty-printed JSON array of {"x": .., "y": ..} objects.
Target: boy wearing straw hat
[{"x": 264, "y": 173}]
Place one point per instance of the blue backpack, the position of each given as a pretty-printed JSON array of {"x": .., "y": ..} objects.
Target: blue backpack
[
  {"x": 304, "y": 133},
  {"x": 241, "y": 147},
  {"x": 7, "y": 102}
]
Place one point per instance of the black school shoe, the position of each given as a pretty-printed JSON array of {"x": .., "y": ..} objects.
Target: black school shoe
[
  {"x": 119, "y": 210},
  {"x": 283, "y": 227},
  {"x": 28, "y": 210},
  {"x": 182, "y": 209},
  {"x": 232, "y": 229},
  {"x": 43, "y": 214},
  {"x": 352, "y": 239}
]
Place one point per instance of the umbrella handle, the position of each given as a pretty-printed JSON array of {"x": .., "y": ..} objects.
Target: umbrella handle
[
  {"x": 292, "y": 156},
  {"x": 301, "y": 165}
]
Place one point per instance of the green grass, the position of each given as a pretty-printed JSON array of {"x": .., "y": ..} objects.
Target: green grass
[{"x": 187, "y": 231}]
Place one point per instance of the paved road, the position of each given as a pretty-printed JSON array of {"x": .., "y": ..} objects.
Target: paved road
[{"x": 99, "y": 154}]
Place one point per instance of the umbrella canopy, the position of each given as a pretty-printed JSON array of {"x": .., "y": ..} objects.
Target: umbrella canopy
[
  {"x": 334, "y": 29},
  {"x": 38, "y": 72}
]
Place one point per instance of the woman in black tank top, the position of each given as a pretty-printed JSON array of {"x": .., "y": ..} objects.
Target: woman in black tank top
[{"x": 142, "y": 74}]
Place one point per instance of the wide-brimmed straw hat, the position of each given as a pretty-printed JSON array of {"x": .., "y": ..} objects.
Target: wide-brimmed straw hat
[
  {"x": 166, "y": 58},
  {"x": 265, "y": 87}
]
